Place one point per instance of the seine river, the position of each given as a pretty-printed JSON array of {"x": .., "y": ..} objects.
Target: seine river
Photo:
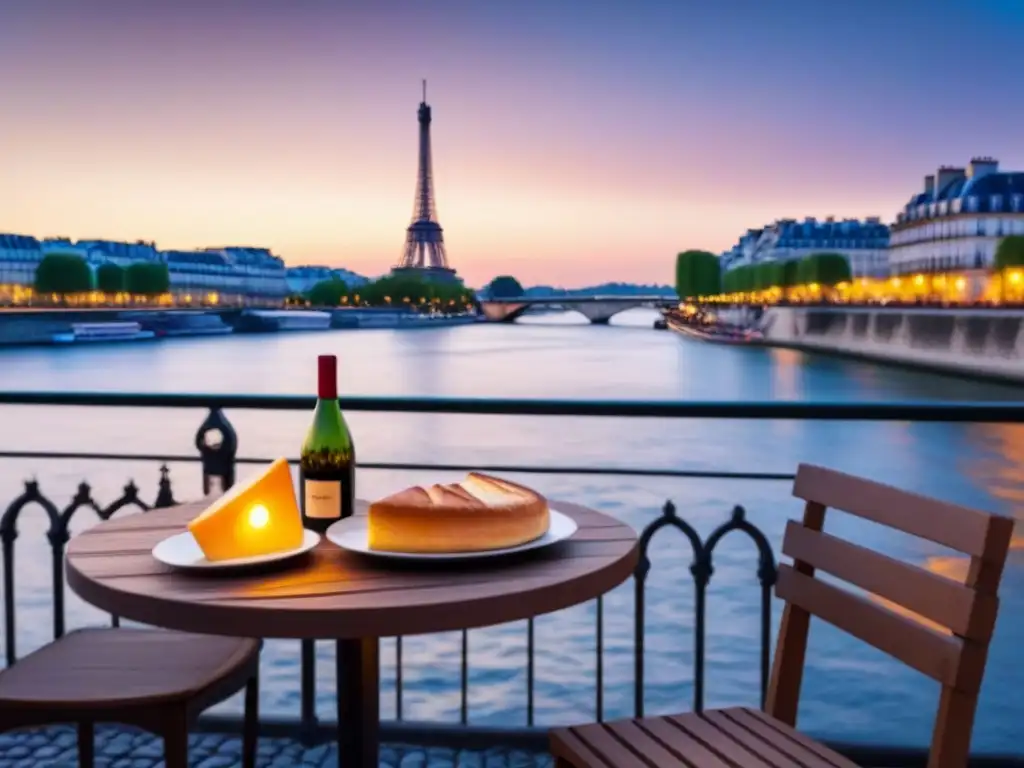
[{"x": 851, "y": 692}]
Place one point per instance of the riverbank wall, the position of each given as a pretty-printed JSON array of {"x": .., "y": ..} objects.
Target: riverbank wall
[
  {"x": 39, "y": 326},
  {"x": 986, "y": 343}
]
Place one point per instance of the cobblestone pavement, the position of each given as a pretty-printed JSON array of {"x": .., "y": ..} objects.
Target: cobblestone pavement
[{"x": 127, "y": 748}]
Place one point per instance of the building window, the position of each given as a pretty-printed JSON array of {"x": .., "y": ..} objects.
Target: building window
[
  {"x": 997, "y": 202},
  {"x": 972, "y": 203}
]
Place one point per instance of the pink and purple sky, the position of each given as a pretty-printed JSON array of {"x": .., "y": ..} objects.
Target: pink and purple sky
[{"x": 575, "y": 141}]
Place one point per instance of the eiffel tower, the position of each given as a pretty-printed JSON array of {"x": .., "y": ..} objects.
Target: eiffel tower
[{"x": 424, "y": 254}]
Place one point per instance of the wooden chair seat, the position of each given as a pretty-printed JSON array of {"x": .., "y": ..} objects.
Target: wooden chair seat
[
  {"x": 153, "y": 679},
  {"x": 726, "y": 738}
]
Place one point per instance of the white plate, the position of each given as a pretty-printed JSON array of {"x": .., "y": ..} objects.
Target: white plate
[
  {"x": 182, "y": 551},
  {"x": 351, "y": 534}
]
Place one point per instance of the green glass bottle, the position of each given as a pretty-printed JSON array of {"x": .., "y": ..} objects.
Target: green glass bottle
[{"x": 328, "y": 460}]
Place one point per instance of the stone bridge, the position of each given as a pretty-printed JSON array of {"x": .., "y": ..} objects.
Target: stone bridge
[{"x": 597, "y": 309}]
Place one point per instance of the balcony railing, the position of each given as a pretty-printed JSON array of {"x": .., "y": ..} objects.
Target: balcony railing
[{"x": 217, "y": 445}]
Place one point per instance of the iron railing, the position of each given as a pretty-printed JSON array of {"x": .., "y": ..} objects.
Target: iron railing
[{"x": 217, "y": 445}]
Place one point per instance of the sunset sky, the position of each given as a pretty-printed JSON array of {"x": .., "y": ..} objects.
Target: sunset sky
[{"x": 575, "y": 141}]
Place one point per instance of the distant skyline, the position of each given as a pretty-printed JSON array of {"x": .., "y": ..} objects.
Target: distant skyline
[{"x": 575, "y": 141}]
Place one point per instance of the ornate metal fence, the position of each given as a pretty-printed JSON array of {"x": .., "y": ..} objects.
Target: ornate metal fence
[{"x": 217, "y": 445}]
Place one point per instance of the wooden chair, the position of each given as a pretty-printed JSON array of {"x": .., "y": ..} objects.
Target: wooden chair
[
  {"x": 153, "y": 679},
  {"x": 955, "y": 658}
]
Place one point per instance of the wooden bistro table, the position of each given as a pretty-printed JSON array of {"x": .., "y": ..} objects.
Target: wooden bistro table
[{"x": 331, "y": 594}]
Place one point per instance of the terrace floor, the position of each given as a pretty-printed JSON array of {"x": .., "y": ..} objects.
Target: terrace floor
[{"x": 128, "y": 748}]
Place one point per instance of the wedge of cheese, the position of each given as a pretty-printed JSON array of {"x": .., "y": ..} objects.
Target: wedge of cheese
[{"x": 257, "y": 517}]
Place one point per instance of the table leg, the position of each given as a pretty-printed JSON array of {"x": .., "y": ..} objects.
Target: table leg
[{"x": 358, "y": 673}]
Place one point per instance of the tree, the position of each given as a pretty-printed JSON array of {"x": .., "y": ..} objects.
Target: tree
[
  {"x": 826, "y": 269},
  {"x": 1010, "y": 253},
  {"x": 741, "y": 279},
  {"x": 731, "y": 280},
  {"x": 766, "y": 275},
  {"x": 454, "y": 295},
  {"x": 504, "y": 287},
  {"x": 395, "y": 289},
  {"x": 748, "y": 278},
  {"x": 328, "y": 293},
  {"x": 147, "y": 278},
  {"x": 789, "y": 273},
  {"x": 698, "y": 273},
  {"x": 110, "y": 278},
  {"x": 411, "y": 290},
  {"x": 63, "y": 274}
]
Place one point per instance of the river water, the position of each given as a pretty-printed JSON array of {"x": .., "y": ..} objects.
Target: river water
[{"x": 851, "y": 692}]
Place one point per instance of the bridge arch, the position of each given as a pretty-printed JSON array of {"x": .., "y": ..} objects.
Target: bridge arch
[{"x": 597, "y": 309}]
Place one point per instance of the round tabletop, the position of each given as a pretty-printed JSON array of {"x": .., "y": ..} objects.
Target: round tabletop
[{"x": 335, "y": 594}]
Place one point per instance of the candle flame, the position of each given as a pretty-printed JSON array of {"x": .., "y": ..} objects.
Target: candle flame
[{"x": 259, "y": 516}]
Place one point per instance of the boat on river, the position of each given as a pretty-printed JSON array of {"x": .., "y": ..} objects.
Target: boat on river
[
  {"x": 182, "y": 322},
  {"x": 102, "y": 332},
  {"x": 716, "y": 334},
  {"x": 374, "y": 317},
  {"x": 270, "y": 320}
]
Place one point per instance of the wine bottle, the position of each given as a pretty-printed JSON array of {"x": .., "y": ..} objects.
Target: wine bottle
[{"x": 328, "y": 459}]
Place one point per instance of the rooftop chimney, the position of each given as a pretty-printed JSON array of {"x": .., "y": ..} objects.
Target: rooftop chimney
[
  {"x": 929, "y": 185},
  {"x": 982, "y": 166},
  {"x": 945, "y": 176}
]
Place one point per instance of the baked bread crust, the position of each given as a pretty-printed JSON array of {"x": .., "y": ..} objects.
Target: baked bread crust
[{"x": 479, "y": 514}]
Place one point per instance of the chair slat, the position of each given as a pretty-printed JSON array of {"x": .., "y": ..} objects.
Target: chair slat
[
  {"x": 724, "y": 744},
  {"x": 781, "y": 734},
  {"x": 941, "y": 600},
  {"x": 681, "y": 743},
  {"x": 570, "y": 749},
  {"x": 611, "y": 751},
  {"x": 755, "y": 744},
  {"x": 640, "y": 741},
  {"x": 922, "y": 648},
  {"x": 960, "y": 528}
]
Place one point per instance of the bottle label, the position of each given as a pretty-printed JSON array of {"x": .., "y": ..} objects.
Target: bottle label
[{"x": 323, "y": 499}]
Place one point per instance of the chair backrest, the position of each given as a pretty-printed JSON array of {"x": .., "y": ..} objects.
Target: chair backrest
[{"x": 955, "y": 658}]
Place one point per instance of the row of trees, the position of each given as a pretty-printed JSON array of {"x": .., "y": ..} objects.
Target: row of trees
[
  {"x": 698, "y": 273},
  {"x": 69, "y": 273},
  {"x": 823, "y": 269},
  {"x": 391, "y": 290}
]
